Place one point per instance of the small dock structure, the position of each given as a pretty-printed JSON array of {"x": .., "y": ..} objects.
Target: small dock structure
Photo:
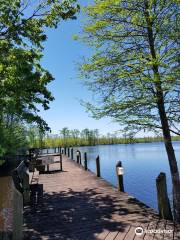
[{"x": 78, "y": 205}]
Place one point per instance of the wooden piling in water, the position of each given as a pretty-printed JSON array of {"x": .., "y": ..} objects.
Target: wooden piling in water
[
  {"x": 162, "y": 196},
  {"x": 98, "y": 170},
  {"x": 85, "y": 161},
  {"x": 119, "y": 173}
]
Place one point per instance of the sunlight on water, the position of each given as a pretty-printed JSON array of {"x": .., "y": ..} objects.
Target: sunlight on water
[{"x": 142, "y": 163}]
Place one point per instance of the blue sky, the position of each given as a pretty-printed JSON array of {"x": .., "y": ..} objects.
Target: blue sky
[{"x": 61, "y": 56}]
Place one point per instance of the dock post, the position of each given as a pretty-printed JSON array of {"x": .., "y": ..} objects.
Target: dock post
[
  {"x": 60, "y": 161},
  {"x": 77, "y": 156},
  {"x": 85, "y": 161},
  {"x": 119, "y": 173},
  {"x": 98, "y": 171},
  {"x": 162, "y": 196},
  {"x": 65, "y": 150},
  {"x": 26, "y": 187},
  {"x": 72, "y": 153},
  {"x": 68, "y": 152},
  {"x": 80, "y": 157}
]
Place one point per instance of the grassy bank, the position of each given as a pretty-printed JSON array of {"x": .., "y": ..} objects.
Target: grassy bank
[{"x": 57, "y": 141}]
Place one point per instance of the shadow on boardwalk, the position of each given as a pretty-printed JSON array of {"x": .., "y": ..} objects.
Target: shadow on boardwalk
[
  {"x": 79, "y": 206},
  {"x": 78, "y": 215}
]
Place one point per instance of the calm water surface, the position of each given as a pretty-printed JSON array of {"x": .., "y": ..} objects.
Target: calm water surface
[{"x": 142, "y": 163}]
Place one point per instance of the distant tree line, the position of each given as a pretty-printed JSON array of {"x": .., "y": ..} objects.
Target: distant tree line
[{"x": 85, "y": 137}]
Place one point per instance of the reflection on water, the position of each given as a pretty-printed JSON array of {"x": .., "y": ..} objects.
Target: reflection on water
[{"x": 142, "y": 164}]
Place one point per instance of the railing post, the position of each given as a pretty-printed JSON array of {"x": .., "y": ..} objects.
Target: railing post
[
  {"x": 26, "y": 187},
  {"x": 77, "y": 156},
  {"x": 68, "y": 152},
  {"x": 72, "y": 153},
  {"x": 60, "y": 161},
  {"x": 80, "y": 158},
  {"x": 120, "y": 172},
  {"x": 162, "y": 196},
  {"x": 98, "y": 171},
  {"x": 85, "y": 161}
]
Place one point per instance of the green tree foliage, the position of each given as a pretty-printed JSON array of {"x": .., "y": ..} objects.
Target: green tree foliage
[
  {"x": 121, "y": 70},
  {"x": 134, "y": 70},
  {"x": 12, "y": 135},
  {"x": 23, "y": 81}
]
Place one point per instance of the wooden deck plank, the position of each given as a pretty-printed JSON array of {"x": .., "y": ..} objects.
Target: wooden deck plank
[
  {"x": 111, "y": 235},
  {"x": 103, "y": 235},
  {"x": 152, "y": 225},
  {"x": 79, "y": 206},
  {"x": 160, "y": 227},
  {"x": 130, "y": 234},
  {"x": 121, "y": 235},
  {"x": 170, "y": 228}
]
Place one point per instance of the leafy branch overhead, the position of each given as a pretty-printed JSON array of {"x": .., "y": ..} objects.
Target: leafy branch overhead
[
  {"x": 23, "y": 81},
  {"x": 20, "y": 20},
  {"x": 134, "y": 69}
]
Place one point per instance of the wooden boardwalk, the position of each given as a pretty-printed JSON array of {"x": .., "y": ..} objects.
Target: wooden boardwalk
[{"x": 77, "y": 205}]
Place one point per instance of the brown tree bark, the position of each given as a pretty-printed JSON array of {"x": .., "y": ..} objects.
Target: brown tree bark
[
  {"x": 163, "y": 117},
  {"x": 172, "y": 161}
]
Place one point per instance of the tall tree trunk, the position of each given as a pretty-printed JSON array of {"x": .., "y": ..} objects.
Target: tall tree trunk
[
  {"x": 172, "y": 161},
  {"x": 163, "y": 117}
]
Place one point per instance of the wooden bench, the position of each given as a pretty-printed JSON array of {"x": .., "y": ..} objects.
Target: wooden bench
[{"x": 36, "y": 189}]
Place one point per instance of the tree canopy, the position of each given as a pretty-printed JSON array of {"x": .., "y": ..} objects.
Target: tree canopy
[
  {"x": 121, "y": 71},
  {"x": 23, "y": 80}
]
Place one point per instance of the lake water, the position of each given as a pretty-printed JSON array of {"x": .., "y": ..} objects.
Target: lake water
[{"x": 142, "y": 163}]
